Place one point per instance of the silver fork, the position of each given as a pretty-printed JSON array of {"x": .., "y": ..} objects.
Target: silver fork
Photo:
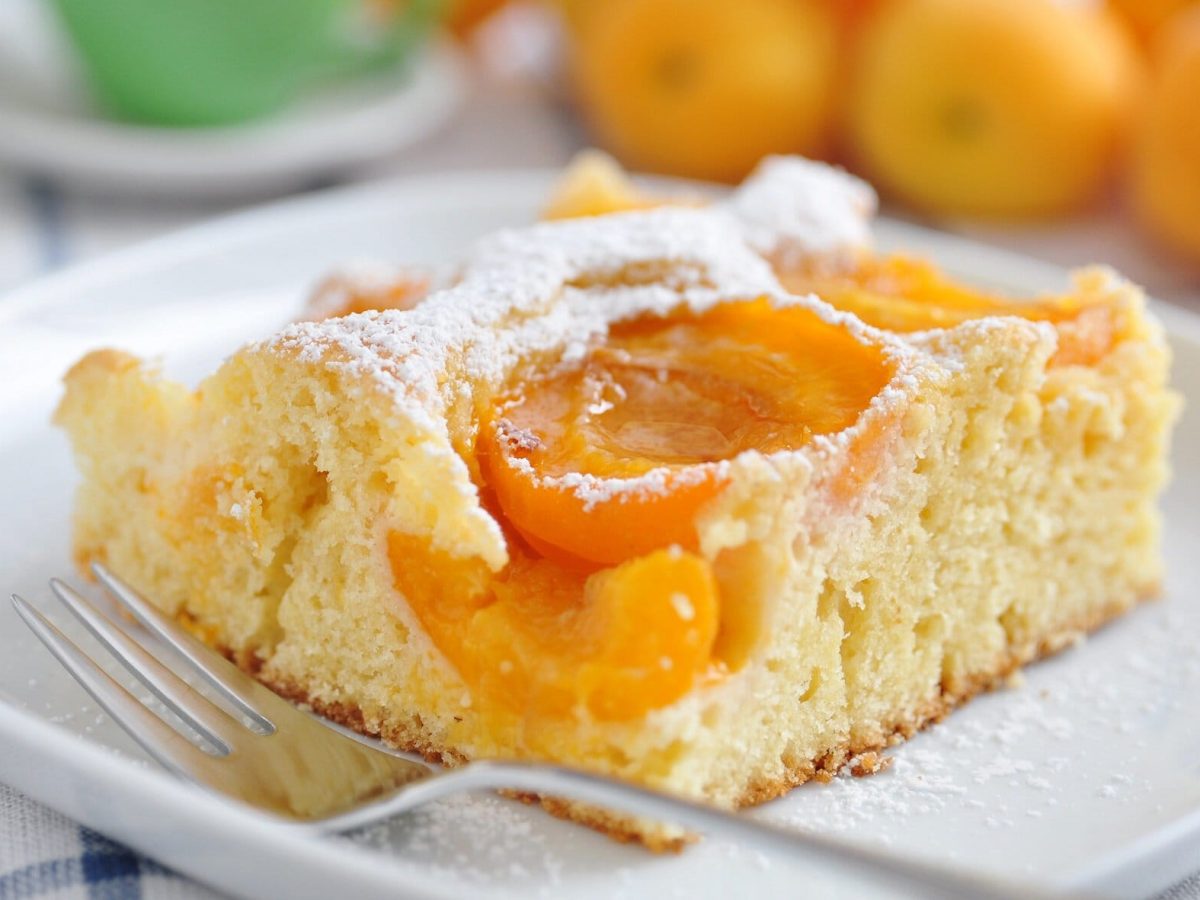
[{"x": 268, "y": 754}]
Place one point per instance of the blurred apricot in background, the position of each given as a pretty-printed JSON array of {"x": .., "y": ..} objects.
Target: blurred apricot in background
[
  {"x": 1011, "y": 110},
  {"x": 462, "y": 16},
  {"x": 996, "y": 108},
  {"x": 1166, "y": 170},
  {"x": 705, "y": 88},
  {"x": 1145, "y": 17}
]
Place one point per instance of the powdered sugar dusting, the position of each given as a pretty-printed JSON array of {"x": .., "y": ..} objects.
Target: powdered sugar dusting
[
  {"x": 791, "y": 209},
  {"x": 1080, "y": 703},
  {"x": 592, "y": 489},
  {"x": 472, "y": 840},
  {"x": 552, "y": 290},
  {"x": 506, "y": 304}
]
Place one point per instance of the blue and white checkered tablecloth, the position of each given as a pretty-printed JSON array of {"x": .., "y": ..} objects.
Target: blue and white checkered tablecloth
[{"x": 44, "y": 854}]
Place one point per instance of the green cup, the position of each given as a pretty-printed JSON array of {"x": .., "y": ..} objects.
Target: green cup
[{"x": 219, "y": 62}]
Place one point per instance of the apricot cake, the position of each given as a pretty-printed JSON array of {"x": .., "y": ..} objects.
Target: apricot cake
[{"x": 619, "y": 499}]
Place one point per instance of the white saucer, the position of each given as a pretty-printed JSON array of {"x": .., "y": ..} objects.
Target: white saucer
[{"x": 49, "y": 126}]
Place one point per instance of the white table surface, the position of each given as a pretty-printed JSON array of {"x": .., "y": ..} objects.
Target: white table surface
[{"x": 505, "y": 123}]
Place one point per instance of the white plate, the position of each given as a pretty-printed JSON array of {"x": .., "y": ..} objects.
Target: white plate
[
  {"x": 48, "y": 124},
  {"x": 1088, "y": 776}
]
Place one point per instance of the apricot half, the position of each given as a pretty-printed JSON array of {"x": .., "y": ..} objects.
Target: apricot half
[{"x": 615, "y": 457}]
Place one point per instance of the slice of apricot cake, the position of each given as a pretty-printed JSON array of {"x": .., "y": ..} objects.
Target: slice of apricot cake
[{"x": 620, "y": 500}]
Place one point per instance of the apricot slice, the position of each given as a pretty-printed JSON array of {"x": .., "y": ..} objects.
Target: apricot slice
[
  {"x": 594, "y": 184},
  {"x": 906, "y": 295},
  {"x": 541, "y": 640},
  {"x": 615, "y": 457},
  {"x": 651, "y": 622}
]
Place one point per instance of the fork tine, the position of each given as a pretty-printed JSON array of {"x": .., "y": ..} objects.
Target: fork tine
[
  {"x": 230, "y": 681},
  {"x": 180, "y": 697},
  {"x": 156, "y": 737}
]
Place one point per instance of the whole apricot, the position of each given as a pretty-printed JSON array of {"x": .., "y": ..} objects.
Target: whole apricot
[
  {"x": 1145, "y": 16},
  {"x": 1166, "y": 165},
  {"x": 999, "y": 108},
  {"x": 705, "y": 88}
]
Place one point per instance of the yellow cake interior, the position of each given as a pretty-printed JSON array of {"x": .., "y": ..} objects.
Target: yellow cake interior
[{"x": 446, "y": 526}]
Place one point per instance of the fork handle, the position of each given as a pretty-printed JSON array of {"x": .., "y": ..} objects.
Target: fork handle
[{"x": 920, "y": 878}]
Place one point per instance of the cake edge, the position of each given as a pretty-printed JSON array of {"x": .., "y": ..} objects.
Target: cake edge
[{"x": 617, "y": 826}]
